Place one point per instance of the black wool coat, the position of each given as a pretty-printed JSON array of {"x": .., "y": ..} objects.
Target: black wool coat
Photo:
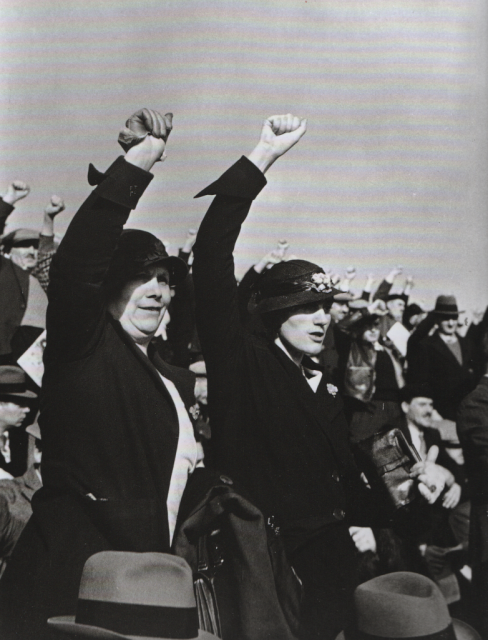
[
  {"x": 281, "y": 441},
  {"x": 109, "y": 426},
  {"x": 433, "y": 363},
  {"x": 14, "y": 291}
]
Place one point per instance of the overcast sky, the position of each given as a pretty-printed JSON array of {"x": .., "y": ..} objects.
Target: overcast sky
[{"x": 392, "y": 169}]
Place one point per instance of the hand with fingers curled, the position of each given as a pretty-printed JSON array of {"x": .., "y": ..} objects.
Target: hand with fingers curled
[
  {"x": 432, "y": 477},
  {"x": 363, "y": 538},
  {"x": 55, "y": 206},
  {"x": 16, "y": 190},
  {"x": 278, "y": 135},
  {"x": 144, "y": 137}
]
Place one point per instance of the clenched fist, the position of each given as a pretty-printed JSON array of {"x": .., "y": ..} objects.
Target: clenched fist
[
  {"x": 144, "y": 137},
  {"x": 278, "y": 135},
  {"x": 54, "y": 207},
  {"x": 16, "y": 191}
]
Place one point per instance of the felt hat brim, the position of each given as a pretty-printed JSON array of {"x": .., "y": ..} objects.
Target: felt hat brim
[
  {"x": 462, "y": 631},
  {"x": 448, "y": 314},
  {"x": 178, "y": 269},
  {"x": 67, "y": 624},
  {"x": 18, "y": 394},
  {"x": 288, "y": 300}
]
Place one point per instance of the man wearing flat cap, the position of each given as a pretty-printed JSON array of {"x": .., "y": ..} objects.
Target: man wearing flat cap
[
  {"x": 24, "y": 263},
  {"x": 444, "y": 361},
  {"x": 117, "y": 422},
  {"x": 278, "y": 426}
]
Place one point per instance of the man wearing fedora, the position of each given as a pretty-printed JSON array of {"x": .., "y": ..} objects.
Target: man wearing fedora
[
  {"x": 278, "y": 425},
  {"x": 117, "y": 422},
  {"x": 15, "y": 399},
  {"x": 444, "y": 361}
]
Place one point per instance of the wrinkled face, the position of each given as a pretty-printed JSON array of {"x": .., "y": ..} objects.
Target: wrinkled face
[
  {"x": 24, "y": 257},
  {"x": 11, "y": 415},
  {"x": 339, "y": 311},
  {"x": 142, "y": 302},
  {"x": 304, "y": 329},
  {"x": 419, "y": 411},
  {"x": 448, "y": 327},
  {"x": 396, "y": 307},
  {"x": 371, "y": 333}
]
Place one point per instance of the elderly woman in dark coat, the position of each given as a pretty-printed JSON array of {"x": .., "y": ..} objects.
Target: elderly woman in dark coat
[{"x": 116, "y": 421}]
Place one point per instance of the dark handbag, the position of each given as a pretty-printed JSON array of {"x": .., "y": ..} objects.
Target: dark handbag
[{"x": 386, "y": 459}]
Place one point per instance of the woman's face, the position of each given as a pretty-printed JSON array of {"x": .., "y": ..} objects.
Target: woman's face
[
  {"x": 142, "y": 303},
  {"x": 371, "y": 333}
]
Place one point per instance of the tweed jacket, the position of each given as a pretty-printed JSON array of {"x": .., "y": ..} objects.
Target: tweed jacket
[{"x": 286, "y": 445}]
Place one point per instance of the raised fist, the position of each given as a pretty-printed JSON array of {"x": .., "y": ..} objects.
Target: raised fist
[
  {"x": 16, "y": 191},
  {"x": 54, "y": 207},
  {"x": 143, "y": 123},
  {"x": 350, "y": 273},
  {"x": 281, "y": 133}
]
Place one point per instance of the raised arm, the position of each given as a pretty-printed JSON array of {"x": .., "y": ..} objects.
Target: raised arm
[
  {"x": 386, "y": 284},
  {"x": 217, "y": 310},
  {"x": 76, "y": 303},
  {"x": 16, "y": 190}
]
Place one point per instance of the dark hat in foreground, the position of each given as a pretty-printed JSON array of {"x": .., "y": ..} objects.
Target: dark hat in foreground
[
  {"x": 13, "y": 382},
  {"x": 404, "y": 605},
  {"x": 293, "y": 283},
  {"x": 139, "y": 596},
  {"x": 446, "y": 306},
  {"x": 139, "y": 249},
  {"x": 26, "y": 237}
]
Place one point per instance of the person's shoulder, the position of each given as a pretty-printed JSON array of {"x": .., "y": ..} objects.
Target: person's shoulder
[{"x": 475, "y": 402}]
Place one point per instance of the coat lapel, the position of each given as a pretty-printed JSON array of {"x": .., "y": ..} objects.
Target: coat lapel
[
  {"x": 145, "y": 362},
  {"x": 440, "y": 346},
  {"x": 320, "y": 405}
]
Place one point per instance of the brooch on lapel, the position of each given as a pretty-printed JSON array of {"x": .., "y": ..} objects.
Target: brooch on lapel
[
  {"x": 332, "y": 389},
  {"x": 195, "y": 411}
]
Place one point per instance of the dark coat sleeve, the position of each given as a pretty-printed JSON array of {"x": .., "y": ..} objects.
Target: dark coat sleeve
[
  {"x": 5, "y": 210},
  {"x": 472, "y": 426},
  {"x": 76, "y": 304},
  {"x": 217, "y": 309},
  {"x": 382, "y": 291},
  {"x": 245, "y": 291},
  {"x": 181, "y": 328}
]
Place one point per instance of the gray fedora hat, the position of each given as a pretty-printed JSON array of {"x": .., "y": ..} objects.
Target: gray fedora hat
[
  {"x": 404, "y": 605},
  {"x": 134, "y": 596}
]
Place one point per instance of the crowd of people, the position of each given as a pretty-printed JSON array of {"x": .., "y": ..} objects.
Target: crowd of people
[{"x": 276, "y": 457}]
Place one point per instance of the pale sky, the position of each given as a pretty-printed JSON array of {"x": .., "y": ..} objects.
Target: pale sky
[{"x": 391, "y": 171}]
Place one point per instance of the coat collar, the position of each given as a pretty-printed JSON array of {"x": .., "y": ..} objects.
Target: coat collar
[
  {"x": 321, "y": 405},
  {"x": 155, "y": 365},
  {"x": 441, "y": 347}
]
